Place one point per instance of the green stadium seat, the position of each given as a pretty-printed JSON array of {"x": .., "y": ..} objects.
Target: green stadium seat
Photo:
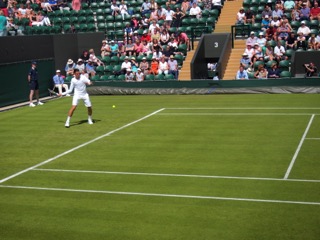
[
  {"x": 159, "y": 77},
  {"x": 121, "y": 77},
  {"x": 104, "y": 78},
  {"x": 285, "y": 74},
  {"x": 149, "y": 77}
]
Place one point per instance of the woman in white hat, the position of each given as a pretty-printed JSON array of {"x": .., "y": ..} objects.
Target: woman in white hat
[
  {"x": 70, "y": 66},
  {"x": 144, "y": 66}
]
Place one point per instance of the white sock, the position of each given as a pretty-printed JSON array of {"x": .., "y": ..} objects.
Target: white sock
[
  {"x": 89, "y": 117},
  {"x": 68, "y": 119}
]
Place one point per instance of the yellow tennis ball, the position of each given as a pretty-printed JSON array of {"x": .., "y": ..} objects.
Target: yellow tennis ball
[{"x": 113, "y": 106}]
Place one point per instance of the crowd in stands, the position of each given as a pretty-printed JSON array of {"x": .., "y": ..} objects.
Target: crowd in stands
[{"x": 277, "y": 30}]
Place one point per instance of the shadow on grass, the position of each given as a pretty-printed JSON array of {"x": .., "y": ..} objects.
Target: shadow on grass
[{"x": 73, "y": 124}]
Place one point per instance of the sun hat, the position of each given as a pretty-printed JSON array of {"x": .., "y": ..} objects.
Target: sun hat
[{"x": 70, "y": 61}]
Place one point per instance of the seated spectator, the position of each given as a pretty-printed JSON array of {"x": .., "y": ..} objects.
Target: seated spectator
[
  {"x": 312, "y": 43},
  {"x": 154, "y": 15},
  {"x": 121, "y": 48},
  {"x": 139, "y": 75},
  {"x": 261, "y": 73},
  {"x": 301, "y": 41},
  {"x": 153, "y": 27},
  {"x": 115, "y": 8},
  {"x": 274, "y": 71},
  {"x": 123, "y": 9},
  {"x": 134, "y": 23},
  {"x": 13, "y": 29},
  {"x": 41, "y": 20},
  {"x": 173, "y": 67},
  {"x": 164, "y": 37},
  {"x": 76, "y": 5},
  {"x": 144, "y": 66},
  {"x": 85, "y": 56},
  {"x": 157, "y": 54},
  {"x": 241, "y": 16},
  {"x": 154, "y": 4},
  {"x": 155, "y": 45},
  {"x": 258, "y": 54},
  {"x": 261, "y": 40},
  {"x": 93, "y": 58},
  {"x": 161, "y": 13},
  {"x": 275, "y": 22},
  {"x": 105, "y": 49},
  {"x": 128, "y": 31},
  {"x": 279, "y": 52},
  {"x": 295, "y": 13},
  {"x": 134, "y": 65},
  {"x": 135, "y": 36},
  {"x": 266, "y": 11},
  {"x": 46, "y": 6},
  {"x": 70, "y": 66},
  {"x": 304, "y": 29},
  {"x": 81, "y": 66},
  {"x": 315, "y": 11},
  {"x": 249, "y": 17},
  {"x": 245, "y": 61},
  {"x": 291, "y": 42},
  {"x": 242, "y": 74},
  {"x": 129, "y": 48},
  {"x": 195, "y": 11},
  {"x": 277, "y": 12},
  {"x": 249, "y": 51},
  {"x": 283, "y": 31},
  {"x": 265, "y": 23},
  {"x": 173, "y": 44},
  {"x": 185, "y": 6},
  {"x": 90, "y": 69},
  {"x": 305, "y": 12},
  {"x": 154, "y": 66},
  {"x": 145, "y": 36},
  {"x": 129, "y": 76},
  {"x": 58, "y": 81},
  {"x": 22, "y": 12},
  {"x": 114, "y": 49},
  {"x": 311, "y": 69},
  {"x": 252, "y": 40},
  {"x": 144, "y": 22},
  {"x": 163, "y": 66},
  {"x": 167, "y": 52},
  {"x": 269, "y": 53},
  {"x": 271, "y": 33},
  {"x": 318, "y": 40},
  {"x": 139, "y": 47},
  {"x": 63, "y": 5},
  {"x": 155, "y": 35},
  {"x": 144, "y": 48},
  {"x": 145, "y": 8},
  {"x": 216, "y": 4},
  {"x": 289, "y": 4},
  {"x": 125, "y": 66}
]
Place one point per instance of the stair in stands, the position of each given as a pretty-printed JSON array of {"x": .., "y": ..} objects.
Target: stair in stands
[
  {"x": 234, "y": 60},
  {"x": 185, "y": 71},
  {"x": 228, "y": 16}
]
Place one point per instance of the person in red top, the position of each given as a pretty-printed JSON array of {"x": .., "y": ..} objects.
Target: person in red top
[
  {"x": 315, "y": 12},
  {"x": 154, "y": 66},
  {"x": 145, "y": 36},
  {"x": 183, "y": 39}
]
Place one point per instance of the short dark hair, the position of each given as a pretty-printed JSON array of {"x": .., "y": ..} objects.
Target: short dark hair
[{"x": 76, "y": 70}]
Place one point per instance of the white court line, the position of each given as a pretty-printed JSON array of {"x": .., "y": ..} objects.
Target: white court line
[
  {"x": 237, "y": 114},
  {"x": 312, "y": 138},
  {"x": 172, "y": 175},
  {"x": 243, "y": 108},
  {"x": 162, "y": 195},
  {"x": 78, "y": 147},
  {"x": 298, "y": 148}
]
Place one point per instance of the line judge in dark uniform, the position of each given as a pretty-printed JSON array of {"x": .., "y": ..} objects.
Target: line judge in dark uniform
[{"x": 34, "y": 85}]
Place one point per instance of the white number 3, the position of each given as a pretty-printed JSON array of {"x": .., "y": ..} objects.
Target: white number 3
[{"x": 216, "y": 44}]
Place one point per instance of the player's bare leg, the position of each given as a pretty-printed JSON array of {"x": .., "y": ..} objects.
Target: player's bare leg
[
  {"x": 70, "y": 113},
  {"x": 31, "y": 98}
]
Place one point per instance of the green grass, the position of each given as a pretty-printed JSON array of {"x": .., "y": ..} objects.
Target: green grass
[{"x": 149, "y": 180}]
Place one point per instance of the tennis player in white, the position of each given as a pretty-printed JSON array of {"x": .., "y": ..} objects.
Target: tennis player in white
[{"x": 79, "y": 84}]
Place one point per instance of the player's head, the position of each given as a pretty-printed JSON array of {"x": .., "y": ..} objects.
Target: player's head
[{"x": 76, "y": 73}]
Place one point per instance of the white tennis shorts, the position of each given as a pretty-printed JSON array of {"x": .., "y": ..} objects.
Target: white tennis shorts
[{"x": 85, "y": 98}]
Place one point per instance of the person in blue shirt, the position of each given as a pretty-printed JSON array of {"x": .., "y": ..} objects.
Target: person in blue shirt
[
  {"x": 242, "y": 74},
  {"x": 274, "y": 71},
  {"x": 3, "y": 24},
  {"x": 58, "y": 80}
]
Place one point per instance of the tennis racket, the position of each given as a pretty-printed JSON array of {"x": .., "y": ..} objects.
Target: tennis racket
[{"x": 53, "y": 92}]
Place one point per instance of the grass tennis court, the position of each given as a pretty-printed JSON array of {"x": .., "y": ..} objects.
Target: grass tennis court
[{"x": 163, "y": 167}]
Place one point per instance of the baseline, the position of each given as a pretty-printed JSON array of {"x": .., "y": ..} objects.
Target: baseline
[
  {"x": 78, "y": 147},
  {"x": 172, "y": 175},
  {"x": 161, "y": 195}
]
